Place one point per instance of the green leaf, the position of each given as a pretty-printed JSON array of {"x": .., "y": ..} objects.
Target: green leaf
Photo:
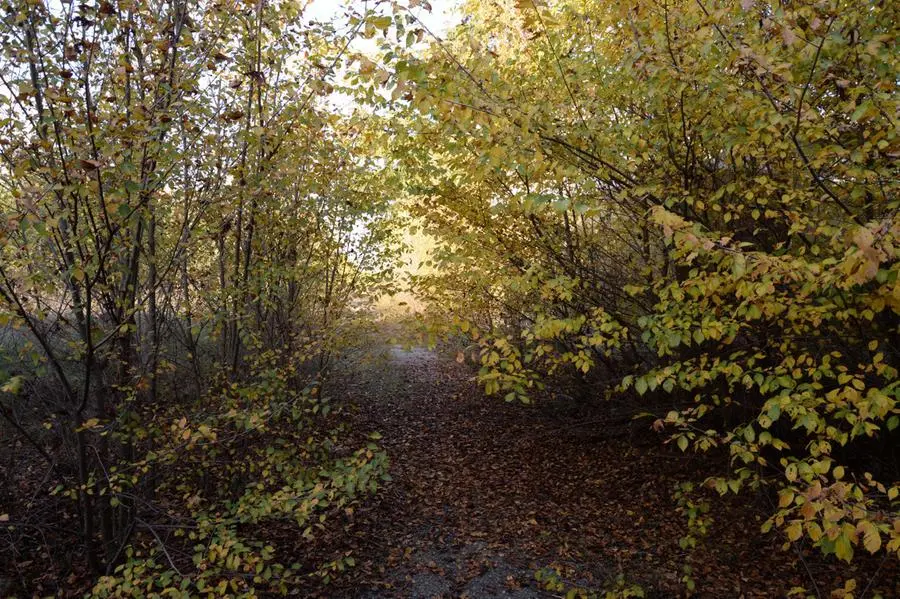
[
  {"x": 381, "y": 22},
  {"x": 842, "y": 548},
  {"x": 786, "y": 382},
  {"x": 640, "y": 385}
]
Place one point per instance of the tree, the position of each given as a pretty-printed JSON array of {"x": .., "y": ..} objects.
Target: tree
[
  {"x": 691, "y": 198},
  {"x": 176, "y": 205}
]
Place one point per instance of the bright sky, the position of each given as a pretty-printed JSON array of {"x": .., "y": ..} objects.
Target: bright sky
[{"x": 438, "y": 20}]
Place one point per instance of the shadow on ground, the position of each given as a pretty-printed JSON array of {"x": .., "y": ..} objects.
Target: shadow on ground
[{"x": 486, "y": 493}]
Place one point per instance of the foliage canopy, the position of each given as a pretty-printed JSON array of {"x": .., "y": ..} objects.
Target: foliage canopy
[
  {"x": 689, "y": 205},
  {"x": 694, "y": 200}
]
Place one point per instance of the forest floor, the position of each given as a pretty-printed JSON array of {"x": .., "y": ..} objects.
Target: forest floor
[{"x": 486, "y": 493}]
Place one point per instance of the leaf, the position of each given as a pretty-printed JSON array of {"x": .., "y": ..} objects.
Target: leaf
[
  {"x": 871, "y": 536},
  {"x": 785, "y": 497},
  {"x": 790, "y": 472},
  {"x": 842, "y": 548},
  {"x": 89, "y": 165},
  {"x": 89, "y": 424},
  {"x": 786, "y": 381},
  {"x": 13, "y": 385},
  {"x": 739, "y": 266},
  {"x": 788, "y": 35},
  {"x": 381, "y": 22},
  {"x": 794, "y": 530},
  {"x": 640, "y": 385}
]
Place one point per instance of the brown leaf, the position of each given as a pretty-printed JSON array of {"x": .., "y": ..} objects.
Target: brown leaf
[
  {"x": 788, "y": 35},
  {"x": 89, "y": 165}
]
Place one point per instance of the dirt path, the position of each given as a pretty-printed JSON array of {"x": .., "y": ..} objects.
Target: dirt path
[
  {"x": 485, "y": 493},
  {"x": 438, "y": 540}
]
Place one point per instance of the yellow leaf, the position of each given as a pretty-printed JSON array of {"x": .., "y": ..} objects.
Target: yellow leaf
[
  {"x": 794, "y": 530},
  {"x": 871, "y": 536},
  {"x": 13, "y": 385},
  {"x": 842, "y": 548},
  {"x": 814, "y": 531},
  {"x": 791, "y": 472},
  {"x": 785, "y": 498}
]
